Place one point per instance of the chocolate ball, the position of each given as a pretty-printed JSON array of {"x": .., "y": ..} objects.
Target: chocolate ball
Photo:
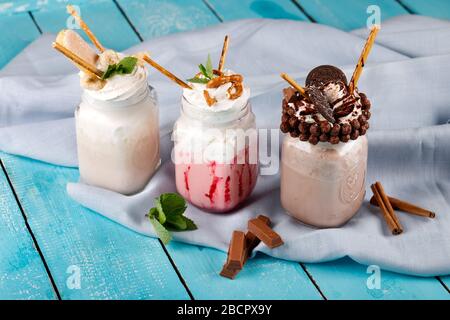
[
  {"x": 346, "y": 129},
  {"x": 325, "y": 126},
  {"x": 290, "y": 111},
  {"x": 365, "y": 101},
  {"x": 285, "y": 117},
  {"x": 304, "y": 137},
  {"x": 362, "y": 119},
  {"x": 345, "y": 138},
  {"x": 367, "y": 114},
  {"x": 294, "y": 133},
  {"x": 354, "y": 135},
  {"x": 313, "y": 140},
  {"x": 323, "y": 137},
  {"x": 293, "y": 122},
  {"x": 284, "y": 127},
  {"x": 314, "y": 129},
  {"x": 334, "y": 140},
  {"x": 362, "y": 131},
  {"x": 355, "y": 124},
  {"x": 304, "y": 127},
  {"x": 335, "y": 130}
]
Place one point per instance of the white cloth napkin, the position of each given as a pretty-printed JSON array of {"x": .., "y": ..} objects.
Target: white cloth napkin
[{"x": 406, "y": 78}]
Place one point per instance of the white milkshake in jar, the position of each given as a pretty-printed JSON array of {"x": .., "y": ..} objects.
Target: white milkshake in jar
[
  {"x": 117, "y": 128},
  {"x": 324, "y": 154}
]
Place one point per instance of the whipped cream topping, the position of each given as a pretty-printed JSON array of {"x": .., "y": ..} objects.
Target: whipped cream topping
[
  {"x": 119, "y": 87},
  {"x": 196, "y": 97},
  {"x": 213, "y": 133},
  {"x": 338, "y": 96}
]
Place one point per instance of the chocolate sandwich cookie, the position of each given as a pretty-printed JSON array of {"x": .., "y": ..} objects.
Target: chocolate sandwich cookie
[{"x": 322, "y": 75}]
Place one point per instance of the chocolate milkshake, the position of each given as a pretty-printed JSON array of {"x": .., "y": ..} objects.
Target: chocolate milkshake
[{"x": 324, "y": 153}]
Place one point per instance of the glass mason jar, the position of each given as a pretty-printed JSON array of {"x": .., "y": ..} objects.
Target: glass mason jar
[
  {"x": 323, "y": 185},
  {"x": 118, "y": 141},
  {"x": 215, "y": 155}
]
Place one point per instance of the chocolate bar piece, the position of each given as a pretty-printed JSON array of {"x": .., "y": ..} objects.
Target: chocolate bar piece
[
  {"x": 236, "y": 251},
  {"x": 228, "y": 272},
  {"x": 252, "y": 239},
  {"x": 234, "y": 265},
  {"x": 265, "y": 233}
]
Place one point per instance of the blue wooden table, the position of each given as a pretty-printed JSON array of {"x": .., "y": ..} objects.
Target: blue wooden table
[{"x": 47, "y": 240}]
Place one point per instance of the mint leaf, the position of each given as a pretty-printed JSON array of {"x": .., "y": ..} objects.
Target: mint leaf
[
  {"x": 167, "y": 215},
  {"x": 190, "y": 225},
  {"x": 125, "y": 66},
  {"x": 176, "y": 223},
  {"x": 159, "y": 209},
  {"x": 172, "y": 204},
  {"x": 160, "y": 231},
  {"x": 181, "y": 223},
  {"x": 198, "y": 80},
  {"x": 203, "y": 70},
  {"x": 206, "y": 70},
  {"x": 109, "y": 72},
  {"x": 153, "y": 213},
  {"x": 209, "y": 68}
]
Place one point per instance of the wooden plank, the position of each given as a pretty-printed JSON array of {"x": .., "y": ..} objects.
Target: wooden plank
[
  {"x": 15, "y": 39},
  {"x": 244, "y": 9},
  {"x": 348, "y": 14},
  {"x": 103, "y": 17},
  {"x": 346, "y": 279},
  {"x": 10, "y": 7},
  {"x": 446, "y": 281},
  {"x": 433, "y": 8},
  {"x": 22, "y": 272},
  {"x": 155, "y": 18},
  {"x": 114, "y": 263},
  {"x": 262, "y": 277}
]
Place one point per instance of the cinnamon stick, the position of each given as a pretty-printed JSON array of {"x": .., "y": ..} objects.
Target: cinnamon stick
[
  {"x": 383, "y": 195},
  {"x": 166, "y": 72},
  {"x": 406, "y": 207},
  {"x": 389, "y": 220}
]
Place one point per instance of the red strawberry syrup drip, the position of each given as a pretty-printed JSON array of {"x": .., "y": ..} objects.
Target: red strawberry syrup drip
[
  {"x": 186, "y": 178},
  {"x": 240, "y": 190},
  {"x": 250, "y": 177},
  {"x": 227, "y": 189},
  {"x": 213, "y": 186}
]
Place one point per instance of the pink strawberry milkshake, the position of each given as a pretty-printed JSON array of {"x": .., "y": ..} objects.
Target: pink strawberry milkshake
[{"x": 215, "y": 150}]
